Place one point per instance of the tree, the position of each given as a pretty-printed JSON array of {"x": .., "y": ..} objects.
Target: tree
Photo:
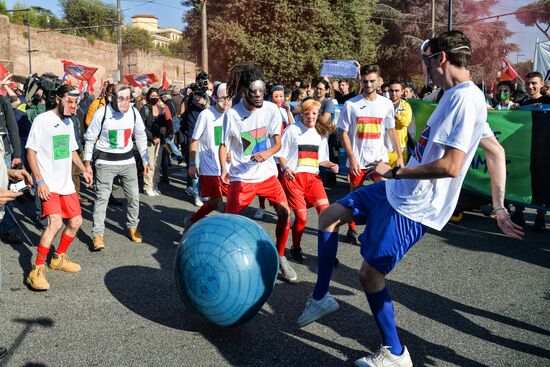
[
  {"x": 536, "y": 14},
  {"x": 288, "y": 39},
  {"x": 134, "y": 38},
  {"x": 409, "y": 23},
  {"x": 38, "y": 17},
  {"x": 90, "y": 18}
]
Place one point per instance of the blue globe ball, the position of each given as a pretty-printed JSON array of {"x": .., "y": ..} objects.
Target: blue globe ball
[{"x": 226, "y": 267}]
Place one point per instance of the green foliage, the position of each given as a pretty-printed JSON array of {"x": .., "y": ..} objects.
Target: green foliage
[
  {"x": 86, "y": 13},
  {"x": 134, "y": 38},
  {"x": 38, "y": 17},
  {"x": 288, "y": 39}
]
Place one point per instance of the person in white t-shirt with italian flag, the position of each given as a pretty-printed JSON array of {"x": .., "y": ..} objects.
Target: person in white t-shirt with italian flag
[
  {"x": 51, "y": 152},
  {"x": 422, "y": 195},
  {"x": 252, "y": 133},
  {"x": 206, "y": 139}
]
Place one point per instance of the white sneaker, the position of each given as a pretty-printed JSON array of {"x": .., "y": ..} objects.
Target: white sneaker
[
  {"x": 150, "y": 193},
  {"x": 316, "y": 309},
  {"x": 384, "y": 358},
  {"x": 198, "y": 202},
  {"x": 157, "y": 192},
  {"x": 259, "y": 213},
  {"x": 285, "y": 270}
]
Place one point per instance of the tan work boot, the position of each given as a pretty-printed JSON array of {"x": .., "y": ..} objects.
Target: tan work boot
[
  {"x": 134, "y": 235},
  {"x": 37, "y": 278},
  {"x": 62, "y": 262},
  {"x": 98, "y": 244}
]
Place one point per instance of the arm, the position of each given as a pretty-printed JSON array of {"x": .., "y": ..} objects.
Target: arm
[
  {"x": 91, "y": 110},
  {"x": 141, "y": 141},
  {"x": 192, "y": 170},
  {"x": 396, "y": 146},
  {"x": 496, "y": 164},
  {"x": 328, "y": 164},
  {"x": 41, "y": 187},
  {"x": 86, "y": 170},
  {"x": 353, "y": 164},
  {"x": 13, "y": 131},
  {"x": 223, "y": 162},
  {"x": 450, "y": 165}
]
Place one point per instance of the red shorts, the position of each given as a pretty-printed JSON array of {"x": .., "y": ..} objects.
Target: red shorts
[
  {"x": 306, "y": 189},
  {"x": 66, "y": 205},
  {"x": 358, "y": 180},
  {"x": 242, "y": 193},
  {"x": 213, "y": 187}
]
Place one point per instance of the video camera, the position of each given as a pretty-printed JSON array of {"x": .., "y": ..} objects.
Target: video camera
[
  {"x": 41, "y": 87},
  {"x": 199, "y": 88}
]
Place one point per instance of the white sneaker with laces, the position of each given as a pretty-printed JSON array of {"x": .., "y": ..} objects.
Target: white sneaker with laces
[
  {"x": 384, "y": 358},
  {"x": 198, "y": 202},
  {"x": 157, "y": 192},
  {"x": 259, "y": 213},
  {"x": 150, "y": 193},
  {"x": 315, "y": 309},
  {"x": 285, "y": 270}
]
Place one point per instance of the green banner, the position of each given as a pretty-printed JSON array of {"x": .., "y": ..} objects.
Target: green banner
[{"x": 513, "y": 131}]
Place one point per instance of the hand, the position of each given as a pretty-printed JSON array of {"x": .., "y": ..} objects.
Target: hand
[
  {"x": 289, "y": 174},
  {"x": 514, "y": 106},
  {"x": 156, "y": 141},
  {"x": 8, "y": 195},
  {"x": 334, "y": 168},
  {"x": 43, "y": 192},
  {"x": 224, "y": 178},
  {"x": 261, "y": 156},
  {"x": 20, "y": 174},
  {"x": 88, "y": 176},
  {"x": 15, "y": 162},
  {"x": 145, "y": 169},
  {"x": 508, "y": 227},
  {"x": 380, "y": 168},
  {"x": 88, "y": 165},
  {"x": 192, "y": 171},
  {"x": 400, "y": 163},
  {"x": 354, "y": 167}
]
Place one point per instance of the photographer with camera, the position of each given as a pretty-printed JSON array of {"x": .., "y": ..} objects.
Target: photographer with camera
[{"x": 197, "y": 101}]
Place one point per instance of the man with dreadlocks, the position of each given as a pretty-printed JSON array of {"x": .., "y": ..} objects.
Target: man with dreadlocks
[{"x": 252, "y": 133}]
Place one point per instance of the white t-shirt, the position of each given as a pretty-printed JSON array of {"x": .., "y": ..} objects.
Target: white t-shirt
[
  {"x": 459, "y": 121},
  {"x": 366, "y": 123},
  {"x": 53, "y": 140},
  {"x": 208, "y": 133},
  {"x": 246, "y": 133},
  {"x": 303, "y": 148},
  {"x": 116, "y": 134}
]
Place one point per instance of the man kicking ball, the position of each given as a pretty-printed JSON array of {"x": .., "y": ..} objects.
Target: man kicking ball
[{"x": 419, "y": 196}]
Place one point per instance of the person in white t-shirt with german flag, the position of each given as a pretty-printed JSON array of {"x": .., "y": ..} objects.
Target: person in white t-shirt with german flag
[
  {"x": 111, "y": 132},
  {"x": 365, "y": 121},
  {"x": 252, "y": 133},
  {"x": 51, "y": 151},
  {"x": 207, "y": 137},
  {"x": 304, "y": 149}
]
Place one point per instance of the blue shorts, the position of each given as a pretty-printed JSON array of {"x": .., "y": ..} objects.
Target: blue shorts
[{"x": 388, "y": 235}]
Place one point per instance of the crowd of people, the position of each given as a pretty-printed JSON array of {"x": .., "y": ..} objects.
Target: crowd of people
[{"x": 247, "y": 137}]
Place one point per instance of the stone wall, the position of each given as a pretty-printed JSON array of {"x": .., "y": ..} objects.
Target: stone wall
[{"x": 52, "y": 47}]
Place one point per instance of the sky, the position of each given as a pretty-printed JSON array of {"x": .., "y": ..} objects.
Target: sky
[{"x": 170, "y": 13}]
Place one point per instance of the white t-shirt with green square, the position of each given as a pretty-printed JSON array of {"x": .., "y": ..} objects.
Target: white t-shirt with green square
[
  {"x": 208, "y": 132},
  {"x": 53, "y": 140}
]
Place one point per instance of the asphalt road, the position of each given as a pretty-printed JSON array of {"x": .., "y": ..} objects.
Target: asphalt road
[{"x": 466, "y": 296}]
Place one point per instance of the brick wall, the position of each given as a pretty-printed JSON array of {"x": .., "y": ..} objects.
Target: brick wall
[{"x": 52, "y": 47}]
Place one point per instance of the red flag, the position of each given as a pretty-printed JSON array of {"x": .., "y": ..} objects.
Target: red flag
[
  {"x": 91, "y": 83},
  {"x": 165, "y": 83},
  {"x": 78, "y": 71},
  {"x": 3, "y": 71},
  {"x": 141, "y": 80},
  {"x": 507, "y": 72}
]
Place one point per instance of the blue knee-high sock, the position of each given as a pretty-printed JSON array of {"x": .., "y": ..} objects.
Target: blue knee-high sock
[
  {"x": 382, "y": 309},
  {"x": 327, "y": 245}
]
